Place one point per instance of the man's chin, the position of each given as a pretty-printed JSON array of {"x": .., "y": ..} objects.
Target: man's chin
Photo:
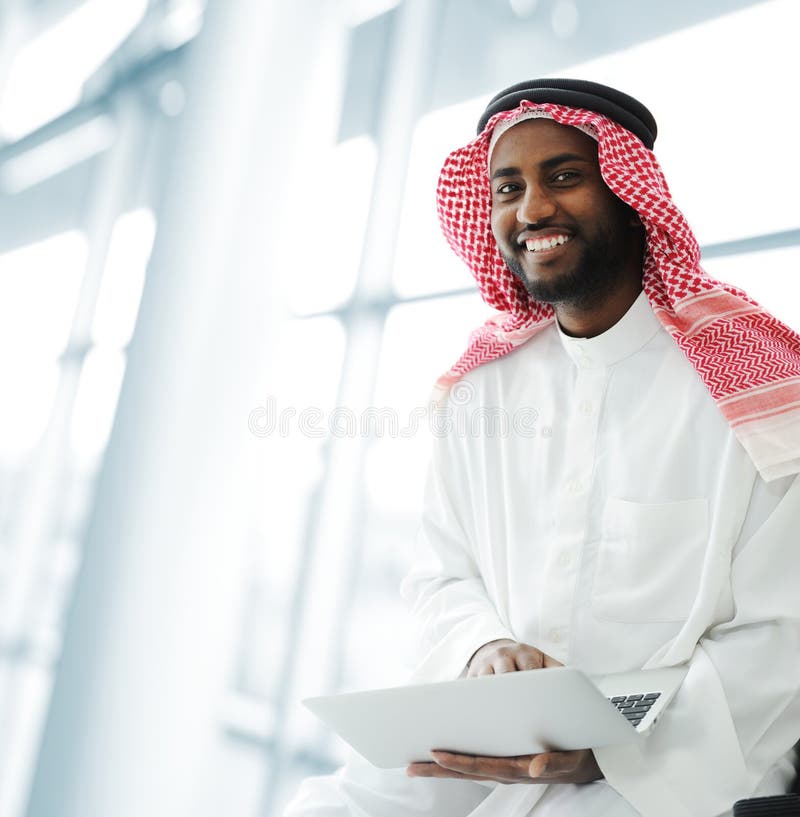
[
  {"x": 574, "y": 285},
  {"x": 537, "y": 286},
  {"x": 565, "y": 288}
]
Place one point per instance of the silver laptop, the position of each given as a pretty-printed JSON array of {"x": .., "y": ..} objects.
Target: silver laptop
[{"x": 516, "y": 713}]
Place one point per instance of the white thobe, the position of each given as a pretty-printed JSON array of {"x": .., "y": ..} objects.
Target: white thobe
[{"x": 586, "y": 496}]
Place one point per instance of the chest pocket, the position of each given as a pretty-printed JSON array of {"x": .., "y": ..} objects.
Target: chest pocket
[{"x": 649, "y": 560}]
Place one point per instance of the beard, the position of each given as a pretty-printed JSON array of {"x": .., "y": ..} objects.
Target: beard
[
  {"x": 603, "y": 267},
  {"x": 600, "y": 271}
]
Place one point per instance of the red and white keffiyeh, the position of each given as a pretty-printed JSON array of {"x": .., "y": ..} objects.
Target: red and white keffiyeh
[{"x": 748, "y": 359}]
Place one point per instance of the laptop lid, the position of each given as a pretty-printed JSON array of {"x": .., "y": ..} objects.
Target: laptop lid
[{"x": 516, "y": 713}]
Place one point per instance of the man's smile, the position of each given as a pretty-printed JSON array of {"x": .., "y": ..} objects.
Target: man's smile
[{"x": 542, "y": 244}]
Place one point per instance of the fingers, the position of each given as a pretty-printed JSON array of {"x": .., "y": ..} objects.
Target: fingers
[
  {"x": 484, "y": 659},
  {"x": 504, "y": 663},
  {"x": 551, "y": 767},
  {"x": 530, "y": 658},
  {"x": 501, "y": 656},
  {"x": 468, "y": 767},
  {"x": 512, "y": 768},
  {"x": 435, "y": 770}
]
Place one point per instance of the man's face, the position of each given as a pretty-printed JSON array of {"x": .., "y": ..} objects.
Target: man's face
[{"x": 561, "y": 231}]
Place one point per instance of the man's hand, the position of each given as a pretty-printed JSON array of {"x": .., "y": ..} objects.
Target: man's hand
[
  {"x": 579, "y": 766},
  {"x": 505, "y": 655},
  {"x": 494, "y": 658}
]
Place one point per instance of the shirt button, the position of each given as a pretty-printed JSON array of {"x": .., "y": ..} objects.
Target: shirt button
[
  {"x": 575, "y": 486},
  {"x": 563, "y": 559},
  {"x": 585, "y": 408},
  {"x": 555, "y": 636}
]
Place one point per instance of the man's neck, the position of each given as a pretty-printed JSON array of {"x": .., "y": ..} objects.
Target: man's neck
[{"x": 579, "y": 321}]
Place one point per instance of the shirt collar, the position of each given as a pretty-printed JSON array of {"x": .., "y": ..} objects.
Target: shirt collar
[{"x": 635, "y": 328}]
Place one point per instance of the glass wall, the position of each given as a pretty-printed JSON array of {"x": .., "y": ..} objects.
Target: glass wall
[{"x": 372, "y": 307}]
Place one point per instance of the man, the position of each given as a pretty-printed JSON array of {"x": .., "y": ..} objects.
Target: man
[{"x": 651, "y": 519}]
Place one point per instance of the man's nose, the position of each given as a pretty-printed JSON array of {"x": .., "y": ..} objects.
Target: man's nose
[{"x": 535, "y": 205}]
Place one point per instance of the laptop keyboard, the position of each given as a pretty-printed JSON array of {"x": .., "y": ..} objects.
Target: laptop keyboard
[{"x": 635, "y": 707}]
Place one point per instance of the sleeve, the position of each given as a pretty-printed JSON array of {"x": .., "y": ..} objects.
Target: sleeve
[
  {"x": 452, "y": 612},
  {"x": 737, "y": 714}
]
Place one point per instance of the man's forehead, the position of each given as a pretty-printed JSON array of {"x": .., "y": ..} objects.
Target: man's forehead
[{"x": 539, "y": 139}]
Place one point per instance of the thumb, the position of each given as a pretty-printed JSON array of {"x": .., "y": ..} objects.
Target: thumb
[{"x": 552, "y": 764}]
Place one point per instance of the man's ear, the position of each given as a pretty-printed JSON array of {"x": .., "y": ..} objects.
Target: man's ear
[{"x": 632, "y": 217}]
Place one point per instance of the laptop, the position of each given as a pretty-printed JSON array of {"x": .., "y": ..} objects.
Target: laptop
[{"x": 515, "y": 713}]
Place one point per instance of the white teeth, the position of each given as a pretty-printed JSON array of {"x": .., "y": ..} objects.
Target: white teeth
[{"x": 537, "y": 244}]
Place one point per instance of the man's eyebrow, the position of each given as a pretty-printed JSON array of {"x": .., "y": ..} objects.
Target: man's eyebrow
[
  {"x": 501, "y": 172},
  {"x": 555, "y": 161},
  {"x": 547, "y": 164}
]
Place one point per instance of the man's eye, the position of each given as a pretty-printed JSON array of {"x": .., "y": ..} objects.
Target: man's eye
[
  {"x": 507, "y": 188},
  {"x": 565, "y": 176}
]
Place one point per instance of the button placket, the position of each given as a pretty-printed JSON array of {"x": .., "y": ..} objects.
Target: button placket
[{"x": 572, "y": 510}]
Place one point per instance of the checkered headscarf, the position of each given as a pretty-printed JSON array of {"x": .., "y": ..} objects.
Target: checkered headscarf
[{"x": 748, "y": 359}]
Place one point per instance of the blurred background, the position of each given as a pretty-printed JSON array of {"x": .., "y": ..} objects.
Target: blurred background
[{"x": 223, "y": 302}]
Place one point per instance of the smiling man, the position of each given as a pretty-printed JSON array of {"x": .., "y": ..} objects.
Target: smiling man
[
  {"x": 568, "y": 239},
  {"x": 650, "y": 520}
]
